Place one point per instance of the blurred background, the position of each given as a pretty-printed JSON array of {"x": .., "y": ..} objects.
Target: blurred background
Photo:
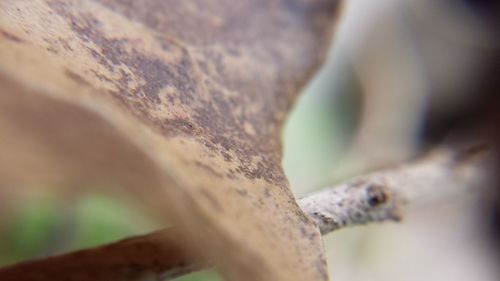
[{"x": 402, "y": 76}]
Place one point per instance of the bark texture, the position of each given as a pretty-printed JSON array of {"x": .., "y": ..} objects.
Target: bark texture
[{"x": 382, "y": 195}]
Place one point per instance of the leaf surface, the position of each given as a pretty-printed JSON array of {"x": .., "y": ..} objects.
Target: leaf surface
[{"x": 179, "y": 104}]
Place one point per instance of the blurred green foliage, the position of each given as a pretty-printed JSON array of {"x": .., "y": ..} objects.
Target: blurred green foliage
[
  {"x": 101, "y": 220},
  {"x": 321, "y": 127},
  {"x": 27, "y": 233},
  {"x": 44, "y": 227}
]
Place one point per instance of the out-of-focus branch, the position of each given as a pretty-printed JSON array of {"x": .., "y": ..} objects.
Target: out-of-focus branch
[
  {"x": 375, "y": 197},
  {"x": 156, "y": 256},
  {"x": 381, "y": 195}
]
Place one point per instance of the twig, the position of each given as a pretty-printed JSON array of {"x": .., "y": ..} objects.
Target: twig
[
  {"x": 156, "y": 256},
  {"x": 380, "y": 196},
  {"x": 375, "y": 197}
]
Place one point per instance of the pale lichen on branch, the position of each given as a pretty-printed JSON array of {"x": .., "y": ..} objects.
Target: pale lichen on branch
[{"x": 381, "y": 195}]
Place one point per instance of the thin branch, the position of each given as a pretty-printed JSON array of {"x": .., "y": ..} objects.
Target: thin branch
[
  {"x": 156, "y": 256},
  {"x": 375, "y": 197},
  {"x": 380, "y": 196}
]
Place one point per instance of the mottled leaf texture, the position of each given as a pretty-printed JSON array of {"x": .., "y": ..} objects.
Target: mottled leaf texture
[{"x": 177, "y": 104}]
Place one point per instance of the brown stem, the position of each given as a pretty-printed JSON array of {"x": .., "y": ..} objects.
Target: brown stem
[{"x": 156, "y": 256}]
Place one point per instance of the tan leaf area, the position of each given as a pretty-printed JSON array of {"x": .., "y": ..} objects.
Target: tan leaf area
[{"x": 177, "y": 104}]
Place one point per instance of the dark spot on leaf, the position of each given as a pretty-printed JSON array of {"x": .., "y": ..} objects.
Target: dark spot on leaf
[
  {"x": 11, "y": 37},
  {"x": 226, "y": 156},
  {"x": 208, "y": 168},
  {"x": 267, "y": 192},
  {"x": 213, "y": 201},
  {"x": 243, "y": 192},
  {"x": 52, "y": 50},
  {"x": 303, "y": 231},
  {"x": 77, "y": 78},
  {"x": 64, "y": 44}
]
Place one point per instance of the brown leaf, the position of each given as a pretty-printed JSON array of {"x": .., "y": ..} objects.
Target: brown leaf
[{"x": 179, "y": 103}]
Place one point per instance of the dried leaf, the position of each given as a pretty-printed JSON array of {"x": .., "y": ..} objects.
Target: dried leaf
[{"x": 179, "y": 103}]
